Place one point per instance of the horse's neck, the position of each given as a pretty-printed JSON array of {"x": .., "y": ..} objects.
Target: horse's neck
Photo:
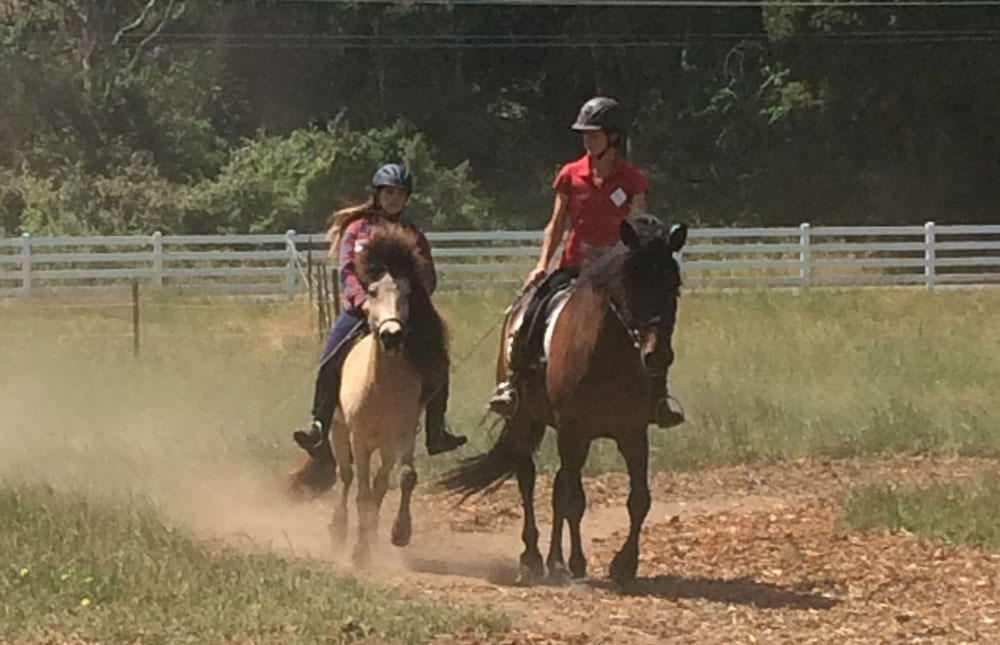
[{"x": 611, "y": 340}]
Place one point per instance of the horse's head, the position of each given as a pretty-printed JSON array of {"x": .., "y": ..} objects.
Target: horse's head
[
  {"x": 391, "y": 265},
  {"x": 388, "y": 310},
  {"x": 651, "y": 283}
]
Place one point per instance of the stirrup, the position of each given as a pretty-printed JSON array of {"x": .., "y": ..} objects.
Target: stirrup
[
  {"x": 504, "y": 400},
  {"x": 310, "y": 438}
]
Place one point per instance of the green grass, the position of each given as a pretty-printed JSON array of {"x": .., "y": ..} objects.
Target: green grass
[
  {"x": 769, "y": 375},
  {"x": 200, "y": 423},
  {"x": 761, "y": 375},
  {"x": 962, "y": 513},
  {"x": 114, "y": 573}
]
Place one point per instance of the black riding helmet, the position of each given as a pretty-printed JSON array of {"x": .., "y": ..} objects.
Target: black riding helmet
[
  {"x": 600, "y": 113},
  {"x": 392, "y": 174}
]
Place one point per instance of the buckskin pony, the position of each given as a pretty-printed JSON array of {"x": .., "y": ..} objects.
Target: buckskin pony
[{"x": 381, "y": 385}]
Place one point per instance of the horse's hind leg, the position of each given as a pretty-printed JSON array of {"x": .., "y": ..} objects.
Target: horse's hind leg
[
  {"x": 531, "y": 558},
  {"x": 568, "y": 503},
  {"x": 402, "y": 528},
  {"x": 636, "y": 453},
  {"x": 342, "y": 449}
]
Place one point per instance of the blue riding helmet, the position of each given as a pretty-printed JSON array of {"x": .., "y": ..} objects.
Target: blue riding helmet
[{"x": 393, "y": 174}]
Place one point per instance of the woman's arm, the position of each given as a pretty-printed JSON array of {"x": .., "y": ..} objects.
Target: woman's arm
[{"x": 550, "y": 239}]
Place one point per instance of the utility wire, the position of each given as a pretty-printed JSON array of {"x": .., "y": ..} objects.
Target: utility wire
[
  {"x": 457, "y": 41},
  {"x": 731, "y": 4}
]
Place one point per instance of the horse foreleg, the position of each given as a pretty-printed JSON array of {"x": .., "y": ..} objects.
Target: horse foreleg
[
  {"x": 531, "y": 558},
  {"x": 636, "y": 453},
  {"x": 380, "y": 485},
  {"x": 402, "y": 528},
  {"x": 574, "y": 457},
  {"x": 365, "y": 501},
  {"x": 342, "y": 449},
  {"x": 567, "y": 504}
]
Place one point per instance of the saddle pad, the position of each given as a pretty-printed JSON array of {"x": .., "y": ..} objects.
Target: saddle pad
[{"x": 555, "y": 308}]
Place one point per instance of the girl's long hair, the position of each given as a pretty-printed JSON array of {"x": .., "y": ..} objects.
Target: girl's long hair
[{"x": 343, "y": 218}]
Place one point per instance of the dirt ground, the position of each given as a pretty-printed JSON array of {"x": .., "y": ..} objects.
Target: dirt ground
[{"x": 751, "y": 554}]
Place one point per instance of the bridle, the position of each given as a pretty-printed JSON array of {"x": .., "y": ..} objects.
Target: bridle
[{"x": 636, "y": 329}]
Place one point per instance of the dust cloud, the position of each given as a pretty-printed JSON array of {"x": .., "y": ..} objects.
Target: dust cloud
[{"x": 204, "y": 439}]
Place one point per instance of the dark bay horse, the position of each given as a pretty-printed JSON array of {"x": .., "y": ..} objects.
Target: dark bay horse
[
  {"x": 602, "y": 342},
  {"x": 383, "y": 378}
]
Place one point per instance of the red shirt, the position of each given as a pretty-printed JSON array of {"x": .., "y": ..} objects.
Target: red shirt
[{"x": 596, "y": 210}]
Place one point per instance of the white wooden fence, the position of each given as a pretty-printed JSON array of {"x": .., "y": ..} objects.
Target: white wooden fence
[{"x": 799, "y": 257}]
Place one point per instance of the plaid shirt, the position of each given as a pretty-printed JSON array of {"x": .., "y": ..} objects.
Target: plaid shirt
[{"x": 353, "y": 240}]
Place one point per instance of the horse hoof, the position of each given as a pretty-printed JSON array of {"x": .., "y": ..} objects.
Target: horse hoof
[
  {"x": 361, "y": 556},
  {"x": 527, "y": 577},
  {"x": 338, "y": 531},
  {"x": 558, "y": 575},
  {"x": 623, "y": 568},
  {"x": 360, "y": 560},
  {"x": 578, "y": 568},
  {"x": 531, "y": 570},
  {"x": 401, "y": 534}
]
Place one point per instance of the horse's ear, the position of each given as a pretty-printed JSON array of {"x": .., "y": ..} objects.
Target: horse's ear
[
  {"x": 628, "y": 235},
  {"x": 676, "y": 238}
]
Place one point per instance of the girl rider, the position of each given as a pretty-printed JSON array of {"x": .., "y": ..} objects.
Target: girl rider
[{"x": 349, "y": 231}]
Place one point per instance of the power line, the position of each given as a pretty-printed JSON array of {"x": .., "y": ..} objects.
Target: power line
[
  {"x": 548, "y": 41},
  {"x": 741, "y": 4}
]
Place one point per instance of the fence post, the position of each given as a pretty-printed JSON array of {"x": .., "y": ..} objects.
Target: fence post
[
  {"x": 929, "y": 255},
  {"x": 135, "y": 318},
  {"x": 679, "y": 256},
  {"x": 805, "y": 255},
  {"x": 26, "y": 263},
  {"x": 290, "y": 265},
  {"x": 158, "y": 259}
]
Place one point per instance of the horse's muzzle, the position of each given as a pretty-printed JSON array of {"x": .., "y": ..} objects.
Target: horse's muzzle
[
  {"x": 653, "y": 361},
  {"x": 390, "y": 336}
]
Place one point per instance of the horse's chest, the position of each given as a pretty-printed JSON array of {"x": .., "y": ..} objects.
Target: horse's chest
[{"x": 379, "y": 391}]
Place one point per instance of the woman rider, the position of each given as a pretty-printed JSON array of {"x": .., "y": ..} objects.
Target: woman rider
[{"x": 593, "y": 195}]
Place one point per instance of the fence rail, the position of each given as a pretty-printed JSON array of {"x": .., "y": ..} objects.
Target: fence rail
[{"x": 802, "y": 257}]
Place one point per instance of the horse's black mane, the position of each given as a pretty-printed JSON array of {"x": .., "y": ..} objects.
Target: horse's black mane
[
  {"x": 612, "y": 272},
  {"x": 395, "y": 249}
]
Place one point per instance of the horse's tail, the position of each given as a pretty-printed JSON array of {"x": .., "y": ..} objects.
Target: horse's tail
[
  {"x": 486, "y": 472},
  {"x": 315, "y": 475}
]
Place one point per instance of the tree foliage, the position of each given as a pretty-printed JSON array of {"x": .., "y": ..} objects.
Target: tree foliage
[{"x": 122, "y": 115}]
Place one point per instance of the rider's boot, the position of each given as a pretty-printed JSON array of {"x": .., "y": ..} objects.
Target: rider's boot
[
  {"x": 666, "y": 412},
  {"x": 312, "y": 437},
  {"x": 439, "y": 436}
]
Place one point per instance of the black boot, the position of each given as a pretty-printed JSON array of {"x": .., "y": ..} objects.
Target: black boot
[
  {"x": 439, "y": 436},
  {"x": 666, "y": 413},
  {"x": 316, "y": 436},
  {"x": 312, "y": 437},
  {"x": 440, "y": 439}
]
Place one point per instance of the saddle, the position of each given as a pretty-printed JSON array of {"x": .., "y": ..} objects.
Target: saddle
[{"x": 527, "y": 350}]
